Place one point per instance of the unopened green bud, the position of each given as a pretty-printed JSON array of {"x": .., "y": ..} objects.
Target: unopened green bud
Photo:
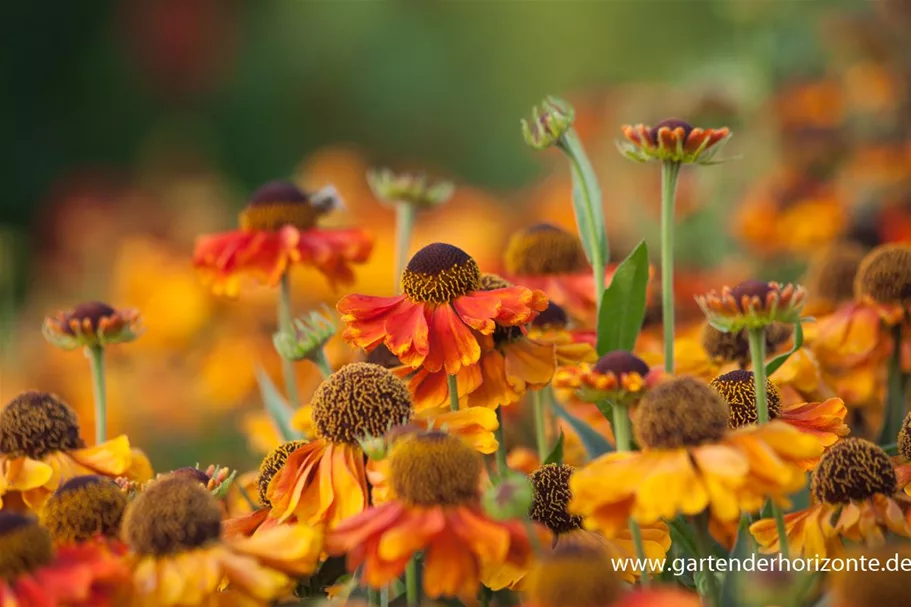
[
  {"x": 511, "y": 498},
  {"x": 549, "y": 122}
]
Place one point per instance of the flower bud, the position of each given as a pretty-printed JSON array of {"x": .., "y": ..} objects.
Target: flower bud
[
  {"x": 405, "y": 188},
  {"x": 549, "y": 122},
  {"x": 306, "y": 339},
  {"x": 511, "y": 498}
]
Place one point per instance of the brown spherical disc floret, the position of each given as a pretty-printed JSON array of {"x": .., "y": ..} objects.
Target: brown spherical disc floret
[
  {"x": 553, "y": 317},
  {"x": 853, "y": 469},
  {"x": 434, "y": 469},
  {"x": 489, "y": 282},
  {"x": 574, "y": 575},
  {"x": 24, "y": 545},
  {"x": 360, "y": 400},
  {"x": 440, "y": 273},
  {"x": 88, "y": 315},
  {"x": 885, "y": 274},
  {"x": 35, "y": 424},
  {"x": 278, "y": 204},
  {"x": 543, "y": 250},
  {"x": 83, "y": 507},
  {"x": 904, "y": 438},
  {"x": 682, "y": 412},
  {"x": 170, "y": 516},
  {"x": 621, "y": 362},
  {"x": 673, "y": 124},
  {"x": 738, "y": 389},
  {"x": 552, "y": 496},
  {"x": 271, "y": 464},
  {"x": 749, "y": 289},
  {"x": 831, "y": 274}
]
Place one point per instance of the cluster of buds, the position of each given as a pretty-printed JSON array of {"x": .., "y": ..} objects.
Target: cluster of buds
[
  {"x": 405, "y": 188},
  {"x": 306, "y": 338}
]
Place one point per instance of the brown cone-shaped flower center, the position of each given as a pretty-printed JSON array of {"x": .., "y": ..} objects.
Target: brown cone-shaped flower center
[
  {"x": 738, "y": 389},
  {"x": 831, "y": 274},
  {"x": 683, "y": 412},
  {"x": 553, "y": 317},
  {"x": 271, "y": 464},
  {"x": 360, "y": 400},
  {"x": 621, "y": 362},
  {"x": 904, "y": 438},
  {"x": 552, "y": 496},
  {"x": 24, "y": 545},
  {"x": 278, "y": 204},
  {"x": 751, "y": 289},
  {"x": 574, "y": 575},
  {"x": 544, "y": 250},
  {"x": 885, "y": 274},
  {"x": 83, "y": 507},
  {"x": 170, "y": 516},
  {"x": 434, "y": 469},
  {"x": 35, "y": 424},
  {"x": 732, "y": 346},
  {"x": 673, "y": 124},
  {"x": 853, "y": 469},
  {"x": 91, "y": 311},
  {"x": 439, "y": 273}
]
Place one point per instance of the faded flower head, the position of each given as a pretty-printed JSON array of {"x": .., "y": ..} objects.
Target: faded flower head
[
  {"x": 752, "y": 304},
  {"x": 410, "y": 189},
  {"x": 673, "y": 140},
  {"x": 307, "y": 338},
  {"x": 549, "y": 122},
  {"x": 92, "y": 324}
]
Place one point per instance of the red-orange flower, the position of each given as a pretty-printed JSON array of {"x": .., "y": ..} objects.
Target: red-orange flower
[
  {"x": 33, "y": 573},
  {"x": 673, "y": 140},
  {"x": 435, "y": 479},
  {"x": 433, "y": 324},
  {"x": 278, "y": 230}
]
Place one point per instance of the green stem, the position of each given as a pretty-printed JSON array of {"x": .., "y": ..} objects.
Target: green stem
[
  {"x": 896, "y": 406},
  {"x": 373, "y": 597},
  {"x": 783, "y": 547},
  {"x": 533, "y": 538},
  {"x": 757, "y": 356},
  {"x": 96, "y": 360},
  {"x": 384, "y": 597},
  {"x": 644, "y": 577},
  {"x": 404, "y": 226},
  {"x": 581, "y": 167},
  {"x": 501, "y": 446},
  {"x": 540, "y": 408},
  {"x": 669, "y": 173},
  {"x": 704, "y": 547},
  {"x": 322, "y": 363},
  {"x": 453, "y": 382},
  {"x": 623, "y": 436},
  {"x": 412, "y": 594},
  {"x": 285, "y": 324}
]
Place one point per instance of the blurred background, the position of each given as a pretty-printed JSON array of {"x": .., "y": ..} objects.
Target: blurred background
[{"x": 131, "y": 127}]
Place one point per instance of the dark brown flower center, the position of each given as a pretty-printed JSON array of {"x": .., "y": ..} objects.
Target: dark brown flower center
[
  {"x": 672, "y": 124},
  {"x": 83, "y": 507},
  {"x": 682, "y": 412},
  {"x": 750, "y": 289},
  {"x": 885, "y": 274},
  {"x": 552, "y": 496},
  {"x": 853, "y": 469},
  {"x": 434, "y": 469},
  {"x": 278, "y": 204},
  {"x": 440, "y": 273},
  {"x": 271, "y": 464},
  {"x": 89, "y": 313},
  {"x": 35, "y": 424},
  {"x": 543, "y": 250},
  {"x": 24, "y": 546},
  {"x": 738, "y": 389},
  {"x": 553, "y": 317},
  {"x": 621, "y": 362}
]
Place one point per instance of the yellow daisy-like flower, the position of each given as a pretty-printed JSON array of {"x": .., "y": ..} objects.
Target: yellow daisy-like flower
[
  {"x": 180, "y": 559},
  {"x": 690, "y": 462},
  {"x": 856, "y": 498},
  {"x": 40, "y": 448}
]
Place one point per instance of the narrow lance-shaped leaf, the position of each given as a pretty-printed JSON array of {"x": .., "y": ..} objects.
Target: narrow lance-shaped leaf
[
  {"x": 622, "y": 308},
  {"x": 556, "y": 454},
  {"x": 774, "y": 364},
  {"x": 594, "y": 444},
  {"x": 587, "y": 209}
]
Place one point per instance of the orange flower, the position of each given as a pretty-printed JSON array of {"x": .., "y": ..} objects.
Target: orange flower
[
  {"x": 618, "y": 376},
  {"x": 91, "y": 324},
  {"x": 690, "y": 462},
  {"x": 752, "y": 304},
  {"x": 437, "y": 511},
  {"x": 857, "y": 498},
  {"x": 40, "y": 448},
  {"x": 278, "y": 230},
  {"x": 434, "y": 323},
  {"x": 571, "y": 347},
  {"x": 673, "y": 140},
  {"x": 33, "y": 573}
]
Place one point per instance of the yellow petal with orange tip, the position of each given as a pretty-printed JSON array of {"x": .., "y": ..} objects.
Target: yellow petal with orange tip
[
  {"x": 111, "y": 458},
  {"x": 529, "y": 364}
]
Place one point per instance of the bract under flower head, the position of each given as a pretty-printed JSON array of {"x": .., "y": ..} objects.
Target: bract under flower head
[
  {"x": 673, "y": 140},
  {"x": 753, "y": 304},
  {"x": 92, "y": 324}
]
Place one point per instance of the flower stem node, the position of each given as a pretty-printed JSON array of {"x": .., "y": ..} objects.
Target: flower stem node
[
  {"x": 673, "y": 140},
  {"x": 753, "y": 304},
  {"x": 308, "y": 337},
  {"x": 91, "y": 324},
  {"x": 511, "y": 498},
  {"x": 549, "y": 122},
  {"x": 408, "y": 189}
]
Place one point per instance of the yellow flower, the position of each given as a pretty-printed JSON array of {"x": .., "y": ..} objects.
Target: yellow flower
[
  {"x": 179, "y": 558},
  {"x": 40, "y": 448},
  {"x": 690, "y": 462}
]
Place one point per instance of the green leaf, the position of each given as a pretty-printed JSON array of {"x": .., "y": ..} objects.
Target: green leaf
[
  {"x": 556, "y": 454},
  {"x": 595, "y": 445},
  {"x": 622, "y": 308},
  {"x": 774, "y": 364},
  {"x": 279, "y": 411},
  {"x": 586, "y": 199}
]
